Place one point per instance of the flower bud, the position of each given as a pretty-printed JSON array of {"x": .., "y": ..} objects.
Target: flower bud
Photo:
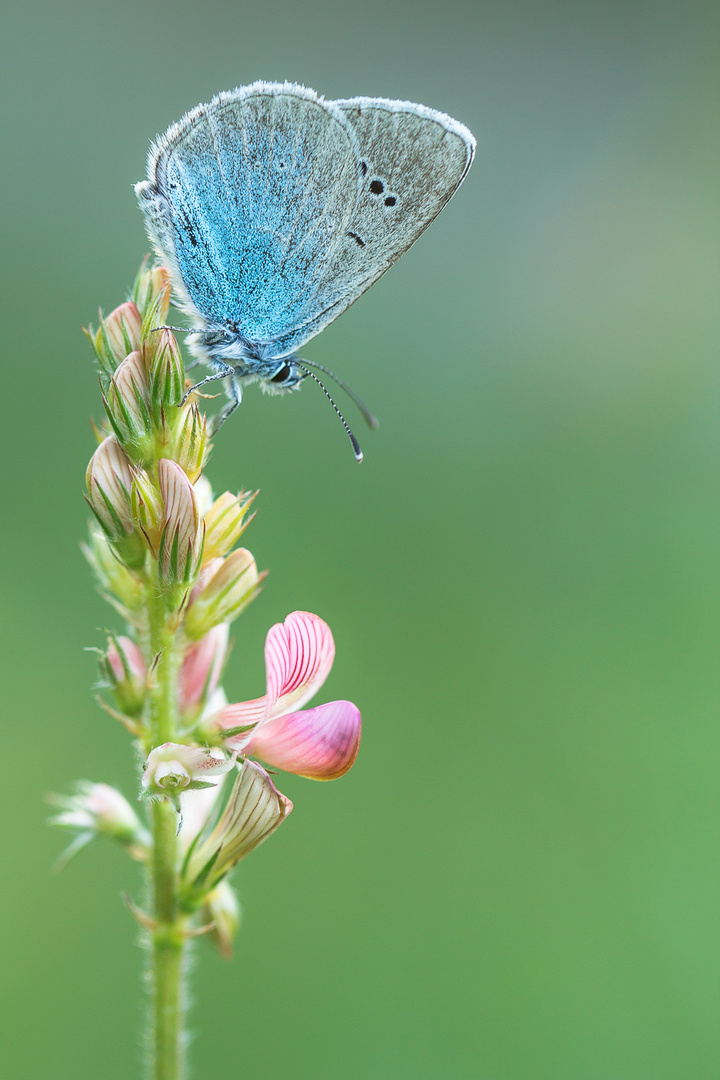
[
  {"x": 190, "y": 446},
  {"x": 225, "y": 523},
  {"x": 201, "y": 669},
  {"x": 224, "y": 594},
  {"x": 125, "y": 589},
  {"x": 147, "y": 508},
  {"x": 166, "y": 374},
  {"x": 151, "y": 291},
  {"x": 117, "y": 336},
  {"x": 109, "y": 481},
  {"x": 100, "y": 810},
  {"x": 222, "y": 910},
  {"x": 127, "y": 408},
  {"x": 181, "y": 540},
  {"x": 123, "y": 666},
  {"x": 253, "y": 811},
  {"x": 175, "y": 767}
]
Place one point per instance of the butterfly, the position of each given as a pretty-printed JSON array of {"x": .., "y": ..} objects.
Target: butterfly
[{"x": 275, "y": 209}]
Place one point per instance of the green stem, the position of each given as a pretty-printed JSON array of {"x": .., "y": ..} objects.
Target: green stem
[
  {"x": 169, "y": 933},
  {"x": 168, "y": 946}
]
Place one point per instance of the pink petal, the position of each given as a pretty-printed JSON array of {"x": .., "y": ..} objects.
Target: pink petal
[
  {"x": 131, "y": 655},
  {"x": 298, "y": 656},
  {"x": 236, "y": 715},
  {"x": 201, "y": 666},
  {"x": 319, "y": 743}
]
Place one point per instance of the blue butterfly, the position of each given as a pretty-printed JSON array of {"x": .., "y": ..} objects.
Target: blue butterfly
[{"x": 275, "y": 210}]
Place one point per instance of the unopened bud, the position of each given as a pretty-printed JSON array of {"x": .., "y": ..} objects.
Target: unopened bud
[
  {"x": 109, "y": 481},
  {"x": 152, "y": 291},
  {"x": 100, "y": 810},
  {"x": 124, "y": 588},
  {"x": 190, "y": 446},
  {"x": 225, "y": 522},
  {"x": 127, "y": 407},
  {"x": 124, "y": 669},
  {"x": 166, "y": 374},
  {"x": 117, "y": 336},
  {"x": 224, "y": 595},
  {"x": 147, "y": 508},
  {"x": 181, "y": 540},
  {"x": 222, "y": 910}
]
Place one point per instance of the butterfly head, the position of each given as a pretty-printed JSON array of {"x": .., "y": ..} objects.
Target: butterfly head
[{"x": 285, "y": 377}]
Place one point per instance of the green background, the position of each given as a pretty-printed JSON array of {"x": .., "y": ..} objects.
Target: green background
[{"x": 517, "y": 881}]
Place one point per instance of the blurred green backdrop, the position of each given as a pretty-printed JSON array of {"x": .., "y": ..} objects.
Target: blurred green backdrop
[{"x": 517, "y": 881}]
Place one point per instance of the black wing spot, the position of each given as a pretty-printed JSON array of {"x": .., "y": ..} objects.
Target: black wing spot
[
  {"x": 377, "y": 187},
  {"x": 187, "y": 227},
  {"x": 391, "y": 200},
  {"x": 363, "y": 167},
  {"x": 358, "y": 239}
]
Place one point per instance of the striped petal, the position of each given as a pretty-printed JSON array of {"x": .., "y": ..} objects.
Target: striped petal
[
  {"x": 298, "y": 656},
  {"x": 254, "y": 810},
  {"x": 319, "y": 743}
]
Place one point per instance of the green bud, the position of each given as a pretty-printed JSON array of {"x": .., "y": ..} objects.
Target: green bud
[
  {"x": 166, "y": 374},
  {"x": 225, "y": 522},
  {"x": 117, "y": 336},
  {"x": 180, "y": 548},
  {"x": 151, "y": 290},
  {"x": 225, "y": 589},
  {"x": 113, "y": 576},
  {"x": 126, "y": 405},
  {"x": 147, "y": 508}
]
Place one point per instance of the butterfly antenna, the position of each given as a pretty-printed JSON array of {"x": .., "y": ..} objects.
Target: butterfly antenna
[
  {"x": 355, "y": 445},
  {"x": 176, "y": 329},
  {"x": 371, "y": 420}
]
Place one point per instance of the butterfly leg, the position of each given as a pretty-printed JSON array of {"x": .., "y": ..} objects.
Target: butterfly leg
[
  {"x": 225, "y": 372},
  {"x": 235, "y": 395}
]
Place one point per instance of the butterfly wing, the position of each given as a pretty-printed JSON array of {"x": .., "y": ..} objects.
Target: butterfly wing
[
  {"x": 249, "y": 199},
  {"x": 411, "y": 161}
]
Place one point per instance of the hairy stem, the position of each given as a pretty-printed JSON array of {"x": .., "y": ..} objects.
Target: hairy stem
[{"x": 168, "y": 936}]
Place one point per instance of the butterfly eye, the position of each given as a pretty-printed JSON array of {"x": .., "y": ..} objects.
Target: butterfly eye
[{"x": 282, "y": 374}]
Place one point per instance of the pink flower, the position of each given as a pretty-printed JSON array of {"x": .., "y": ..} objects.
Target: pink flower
[
  {"x": 125, "y": 659},
  {"x": 320, "y": 743},
  {"x": 202, "y": 666}
]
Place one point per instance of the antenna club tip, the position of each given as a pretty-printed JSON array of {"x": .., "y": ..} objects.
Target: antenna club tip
[{"x": 358, "y": 456}]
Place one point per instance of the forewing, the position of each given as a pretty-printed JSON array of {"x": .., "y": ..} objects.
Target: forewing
[
  {"x": 250, "y": 198},
  {"x": 411, "y": 161}
]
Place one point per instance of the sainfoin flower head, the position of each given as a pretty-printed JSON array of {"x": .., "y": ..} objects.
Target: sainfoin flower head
[{"x": 320, "y": 743}]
